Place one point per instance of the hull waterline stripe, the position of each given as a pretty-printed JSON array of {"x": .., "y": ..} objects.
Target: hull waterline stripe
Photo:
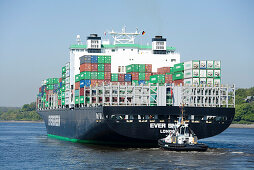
[{"x": 92, "y": 141}]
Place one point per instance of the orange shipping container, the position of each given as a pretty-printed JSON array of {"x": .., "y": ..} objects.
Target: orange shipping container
[
  {"x": 85, "y": 67},
  {"x": 77, "y": 84},
  {"x": 148, "y": 68}
]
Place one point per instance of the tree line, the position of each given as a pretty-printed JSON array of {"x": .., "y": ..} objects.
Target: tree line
[{"x": 26, "y": 112}]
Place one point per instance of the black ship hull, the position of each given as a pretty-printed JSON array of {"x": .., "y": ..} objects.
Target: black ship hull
[{"x": 132, "y": 125}]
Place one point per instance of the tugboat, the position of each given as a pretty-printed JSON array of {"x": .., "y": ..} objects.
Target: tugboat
[{"x": 182, "y": 138}]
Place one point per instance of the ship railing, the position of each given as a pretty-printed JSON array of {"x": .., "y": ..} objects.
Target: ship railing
[{"x": 153, "y": 95}]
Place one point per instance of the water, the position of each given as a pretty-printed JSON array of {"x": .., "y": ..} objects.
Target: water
[{"x": 26, "y": 146}]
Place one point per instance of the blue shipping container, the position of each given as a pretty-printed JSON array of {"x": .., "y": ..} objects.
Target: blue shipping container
[
  {"x": 55, "y": 86},
  {"x": 87, "y": 83},
  {"x": 61, "y": 84},
  {"x": 127, "y": 77},
  {"x": 82, "y": 83},
  {"x": 141, "y": 82},
  {"x": 94, "y": 59}
]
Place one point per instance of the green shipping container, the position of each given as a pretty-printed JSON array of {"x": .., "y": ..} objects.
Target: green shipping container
[
  {"x": 142, "y": 68},
  {"x": 63, "y": 81},
  {"x": 50, "y": 87},
  {"x": 81, "y": 99},
  {"x": 55, "y": 80},
  {"x": 132, "y": 68},
  {"x": 87, "y": 99},
  {"x": 50, "y": 81},
  {"x": 171, "y": 70},
  {"x": 107, "y": 59},
  {"x": 76, "y": 100},
  {"x": 142, "y": 76},
  {"x": 101, "y": 59},
  {"x": 157, "y": 78},
  {"x": 63, "y": 101},
  {"x": 100, "y": 75},
  {"x": 114, "y": 77},
  {"x": 134, "y": 82},
  {"x": 100, "y": 67},
  {"x": 64, "y": 75},
  {"x": 94, "y": 75},
  {"x": 77, "y": 77},
  {"x": 64, "y": 69},
  {"x": 63, "y": 88},
  {"x": 178, "y": 67},
  {"x": 178, "y": 76},
  {"x": 63, "y": 95},
  {"x": 86, "y": 75},
  {"x": 59, "y": 97}
]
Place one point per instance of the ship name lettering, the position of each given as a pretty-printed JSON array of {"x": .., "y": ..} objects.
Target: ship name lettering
[
  {"x": 54, "y": 120},
  {"x": 158, "y": 125}
]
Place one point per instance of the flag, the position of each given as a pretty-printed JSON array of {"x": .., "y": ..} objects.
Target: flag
[{"x": 143, "y": 33}]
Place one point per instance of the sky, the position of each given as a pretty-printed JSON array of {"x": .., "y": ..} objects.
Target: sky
[{"x": 35, "y": 36}]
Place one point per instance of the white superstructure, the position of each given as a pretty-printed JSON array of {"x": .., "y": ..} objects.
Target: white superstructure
[{"x": 123, "y": 51}]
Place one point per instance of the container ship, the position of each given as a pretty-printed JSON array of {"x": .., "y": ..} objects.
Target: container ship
[{"x": 129, "y": 94}]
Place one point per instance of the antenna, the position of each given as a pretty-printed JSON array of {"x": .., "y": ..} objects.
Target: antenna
[
  {"x": 78, "y": 40},
  {"x": 124, "y": 37}
]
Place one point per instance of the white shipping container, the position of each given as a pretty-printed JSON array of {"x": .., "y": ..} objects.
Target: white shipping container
[
  {"x": 210, "y": 81},
  {"x": 210, "y": 64},
  {"x": 217, "y": 64},
  {"x": 67, "y": 73},
  {"x": 195, "y": 73},
  {"x": 216, "y": 82},
  {"x": 191, "y": 81},
  {"x": 203, "y": 64},
  {"x": 194, "y": 64},
  {"x": 216, "y": 73},
  {"x": 67, "y": 101},
  {"x": 203, "y": 81},
  {"x": 67, "y": 80},
  {"x": 67, "y": 87},
  {"x": 191, "y": 73},
  {"x": 187, "y": 74},
  {"x": 67, "y": 66},
  {"x": 202, "y": 73},
  {"x": 67, "y": 94},
  {"x": 209, "y": 73}
]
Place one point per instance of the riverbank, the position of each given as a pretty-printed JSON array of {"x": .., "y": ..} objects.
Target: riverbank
[{"x": 241, "y": 126}]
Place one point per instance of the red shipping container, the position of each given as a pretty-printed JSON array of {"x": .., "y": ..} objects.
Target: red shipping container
[
  {"x": 47, "y": 97},
  {"x": 154, "y": 73},
  {"x": 107, "y": 76},
  {"x": 121, "y": 77},
  {"x": 107, "y": 67},
  {"x": 59, "y": 103},
  {"x": 85, "y": 67},
  {"x": 77, "y": 84},
  {"x": 168, "y": 78},
  {"x": 94, "y": 67},
  {"x": 60, "y": 80},
  {"x": 114, "y": 83},
  {"x": 47, "y": 92},
  {"x": 147, "y": 76},
  {"x": 100, "y": 82},
  {"x": 40, "y": 90},
  {"x": 106, "y": 82},
  {"x": 178, "y": 82},
  {"x": 93, "y": 83},
  {"x": 134, "y": 75},
  {"x": 148, "y": 68},
  {"x": 81, "y": 91}
]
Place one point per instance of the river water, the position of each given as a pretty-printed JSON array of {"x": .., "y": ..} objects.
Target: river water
[{"x": 26, "y": 146}]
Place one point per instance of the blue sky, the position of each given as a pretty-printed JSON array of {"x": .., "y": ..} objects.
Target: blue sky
[{"x": 35, "y": 36}]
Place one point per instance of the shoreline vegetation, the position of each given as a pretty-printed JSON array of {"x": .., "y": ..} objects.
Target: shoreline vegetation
[{"x": 244, "y": 116}]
